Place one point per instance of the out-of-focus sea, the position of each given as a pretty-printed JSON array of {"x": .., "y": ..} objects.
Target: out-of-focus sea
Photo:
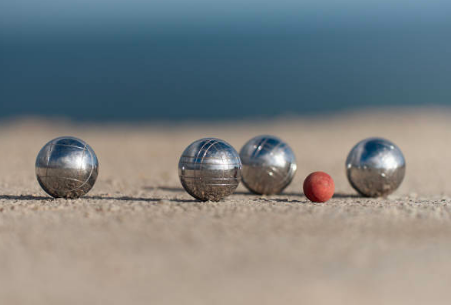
[{"x": 202, "y": 73}]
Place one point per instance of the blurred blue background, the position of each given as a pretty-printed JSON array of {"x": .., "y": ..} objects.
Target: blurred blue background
[{"x": 142, "y": 60}]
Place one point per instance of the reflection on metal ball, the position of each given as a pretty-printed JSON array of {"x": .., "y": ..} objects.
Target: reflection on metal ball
[
  {"x": 269, "y": 165},
  {"x": 67, "y": 167},
  {"x": 375, "y": 167},
  {"x": 210, "y": 169}
]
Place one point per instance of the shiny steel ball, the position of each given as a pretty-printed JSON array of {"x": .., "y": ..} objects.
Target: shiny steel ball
[
  {"x": 67, "y": 167},
  {"x": 210, "y": 169},
  {"x": 375, "y": 167},
  {"x": 269, "y": 165}
]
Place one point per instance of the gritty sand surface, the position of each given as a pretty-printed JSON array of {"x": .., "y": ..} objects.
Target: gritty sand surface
[{"x": 138, "y": 238}]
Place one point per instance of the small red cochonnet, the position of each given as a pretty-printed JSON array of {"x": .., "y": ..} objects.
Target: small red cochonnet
[{"x": 319, "y": 187}]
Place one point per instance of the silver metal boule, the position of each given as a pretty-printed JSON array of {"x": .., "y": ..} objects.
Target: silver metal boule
[
  {"x": 375, "y": 167},
  {"x": 210, "y": 169},
  {"x": 269, "y": 165},
  {"x": 67, "y": 167}
]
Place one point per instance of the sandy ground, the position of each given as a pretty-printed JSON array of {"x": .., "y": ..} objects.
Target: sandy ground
[{"x": 138, "y": 238}]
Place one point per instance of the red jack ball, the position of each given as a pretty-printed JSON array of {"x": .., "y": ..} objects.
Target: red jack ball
[{"x": 319, "y": 187}]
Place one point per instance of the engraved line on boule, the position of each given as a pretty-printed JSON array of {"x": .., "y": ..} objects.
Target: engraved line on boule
[
  {"x": 62, "y": 178},
  {"x": 65, "y": 145},
  {"x": 49, "y": 153},
  {"x": 260, "y": 146},
  {"x": 90, "y": 174},
  {"x": 198, "y": 154},
  {"x": 205, "y": 153},
  {"x": 81, "y": 163}
]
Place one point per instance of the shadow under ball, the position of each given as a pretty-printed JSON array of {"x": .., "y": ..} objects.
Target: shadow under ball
[
  {"x": 269, "y": 165},
  {"x": 67, "y": 167},
  {"x": 210, "y": 169},
  {"x": 375, "y": 167}
]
